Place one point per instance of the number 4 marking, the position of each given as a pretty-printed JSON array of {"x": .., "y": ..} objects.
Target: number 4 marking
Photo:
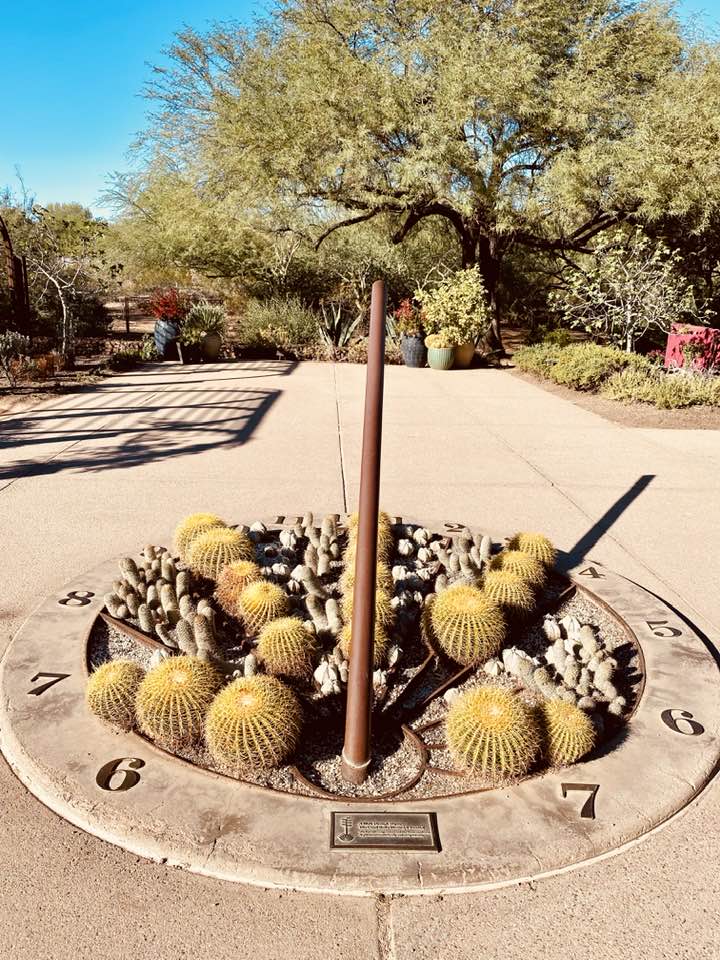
[
  {"x": 588, "y": 808},
  {"x": 591, "y": 572},
  {"x": 56, "y": 678}
]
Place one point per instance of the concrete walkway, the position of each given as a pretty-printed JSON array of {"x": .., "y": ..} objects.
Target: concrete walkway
[{"x": 97, "y": 473}]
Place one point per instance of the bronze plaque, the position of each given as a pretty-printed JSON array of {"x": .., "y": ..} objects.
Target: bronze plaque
[{"x": 384, "y": 831}]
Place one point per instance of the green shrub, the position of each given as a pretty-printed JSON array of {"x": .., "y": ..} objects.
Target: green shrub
[
  {"x": 537, "y": 359},
  {"x": 543, "y": 334},
  {"x": 458, "y": 305},
  {"x": 665, "y": 390},
  {"x": 585, "y": 366},
  {"x": 279, "y": 323}
]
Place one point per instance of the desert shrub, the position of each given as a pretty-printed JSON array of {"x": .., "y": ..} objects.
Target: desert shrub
[
  {"x": 585, "y": 366},
  {"x": 14, "y": 347},
  {"x": 665, "y": 390},
  {"x": 357, "y": 352},
  {"x": 279, "y": 323},
  {"x": 545, "y": 334},
  {"x": 538, "y": 359},
  {"x": 457, "y": 305}
]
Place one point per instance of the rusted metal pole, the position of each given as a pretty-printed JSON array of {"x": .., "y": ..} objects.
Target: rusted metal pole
[{"x": 356, "y": 749}]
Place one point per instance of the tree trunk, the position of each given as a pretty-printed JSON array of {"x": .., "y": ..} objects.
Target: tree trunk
[{"x": 489, "y": 264}]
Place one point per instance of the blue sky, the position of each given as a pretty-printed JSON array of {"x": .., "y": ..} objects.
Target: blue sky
[{"x": 72, "y": 74}]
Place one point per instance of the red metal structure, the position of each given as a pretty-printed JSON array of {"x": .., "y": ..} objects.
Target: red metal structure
[
  {"x": 356, "y": 750},
  {"x": 16, "y": 272}
]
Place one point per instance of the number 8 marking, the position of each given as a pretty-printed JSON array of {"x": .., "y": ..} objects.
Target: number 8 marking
[{"x": 76, "y": 598}]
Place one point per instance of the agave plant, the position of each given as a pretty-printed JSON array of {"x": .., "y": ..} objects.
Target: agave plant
[{"x": 336, "y": 327}]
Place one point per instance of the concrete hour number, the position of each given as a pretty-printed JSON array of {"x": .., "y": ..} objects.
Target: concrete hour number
[
  {"x": 682, "y": 721},
  {"x": 107, "y": 776},
  {"x": 53, "y": 678},
  {"x": 77, "y": 598},
  {"x": 591, "y": 572},
  {"x": 661, "y": 628},
  {"x": 587, "y": 811}
]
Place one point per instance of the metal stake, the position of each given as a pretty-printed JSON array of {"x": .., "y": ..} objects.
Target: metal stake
[{"x": 356, "y": 749}]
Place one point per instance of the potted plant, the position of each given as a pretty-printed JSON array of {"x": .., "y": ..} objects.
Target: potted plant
[
  {"x": 209, "y": 319},
  {"x": 412, "y": 343},
  {"x": 458, "y": 306},
  {"x": 190, "y": 343},
  {"x": 169, "y": 309},
  {"x": 441, "y": 350}
]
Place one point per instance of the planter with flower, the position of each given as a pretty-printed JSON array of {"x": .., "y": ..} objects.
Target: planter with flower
[
  {"x": 190, "y": 343},
  {"x": 440, "y": 350},
  {"x": 458, "y": 307},
  {"x": 408, "y": 323},
  {"x": 169, "y": 308}
]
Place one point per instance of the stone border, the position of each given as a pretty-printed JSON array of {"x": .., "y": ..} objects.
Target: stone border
[{"x": 122, "y": 789}]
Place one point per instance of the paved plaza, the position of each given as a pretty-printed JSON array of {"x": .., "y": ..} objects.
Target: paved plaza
[{"x": 97, "y": 473}]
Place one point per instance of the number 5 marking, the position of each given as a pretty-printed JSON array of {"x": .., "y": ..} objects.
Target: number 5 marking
[
  {"x": 588, "y": 808},
  {"x": 56, "y": 678},
  {"x": 657, "y": 627}
]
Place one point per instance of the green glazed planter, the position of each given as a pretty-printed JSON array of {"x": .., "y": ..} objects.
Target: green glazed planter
[
  {"x": 464, "y": 353},
  {"x": 441, "y": 358}
]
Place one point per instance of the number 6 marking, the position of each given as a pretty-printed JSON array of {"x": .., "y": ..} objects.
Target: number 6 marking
[
  {"x": 672, "y": 722},
  {"x": 588, "y": 808},
  {"x": 130, "y": 777}
]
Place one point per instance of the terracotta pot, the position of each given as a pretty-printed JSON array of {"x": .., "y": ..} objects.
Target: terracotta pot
[
  {"x": 441, "y": 358},
  {"x": 211, "y": 346},
  {"x": 464, "y": 353},
  {"x": 414, "y": 351}
]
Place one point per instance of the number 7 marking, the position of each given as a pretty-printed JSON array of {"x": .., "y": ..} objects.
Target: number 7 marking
[
  {"x": 56, "y": 678},
  {"x": 588, "y": 808}
]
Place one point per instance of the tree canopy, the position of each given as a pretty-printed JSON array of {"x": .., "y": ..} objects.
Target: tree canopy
[{"x": 522, "y": 124}]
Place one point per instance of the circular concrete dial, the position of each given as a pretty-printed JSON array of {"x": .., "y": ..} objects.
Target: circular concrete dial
[{"x": 121, "y": 788}]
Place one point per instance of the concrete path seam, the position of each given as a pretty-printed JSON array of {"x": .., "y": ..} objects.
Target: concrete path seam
[{"x": 340, "y": 439}]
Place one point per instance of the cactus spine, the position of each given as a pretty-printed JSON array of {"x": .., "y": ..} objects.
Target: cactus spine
[
  {"x": 383, "y": 579},
  {"x": 286, "y": 647},
  {"x": 232, "y": 581},
  {"x": 111, "y": 690},
  {"x": 173, "y": 699},
  {"x": 191, "y": 527},
  {"x": 510, "y": 592},
  {"x": 491, "y": 731},
  {"x": 466, "y": 625},
  {"x": 569, "y": 732},
  {"x": 253, "y": 724},
  {"x": 535, "y": 545},
  {"x": 262, "y": 602},
  {"x": 522, "y": 565},
  {"x": 213, "y": 550}
]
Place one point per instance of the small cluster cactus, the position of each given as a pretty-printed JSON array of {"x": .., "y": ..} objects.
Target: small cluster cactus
[
  {"x": 191, "y": 527},
  {"x": 111, "y": 691},
  {"x": 262, "y": 602},
  {"x": 210, "y": 552},
  {"x": 173, "y": 699},
  {"x": 523, "y": 565},
  {"x": 286, "y": 647},
  {"x": 509, "y": 591},
  {"x": 535, "y": 545},
  {"x": 232, "y": 581},
  {"x": 253, "y": 724},
  {"x": 467, "y": 625},
  {"x": 493, "y": 732},
  {"x": 569, "y": 732}
]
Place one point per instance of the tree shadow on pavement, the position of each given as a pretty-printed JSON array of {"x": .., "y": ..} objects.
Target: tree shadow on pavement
[{"x": 138, "y": 421}]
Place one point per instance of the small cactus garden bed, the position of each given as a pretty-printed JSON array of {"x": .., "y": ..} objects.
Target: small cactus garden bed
[{"x": 231, "y": 650}]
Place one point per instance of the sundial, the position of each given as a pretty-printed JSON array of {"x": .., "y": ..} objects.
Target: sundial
[{"x": 417, "y": 823}]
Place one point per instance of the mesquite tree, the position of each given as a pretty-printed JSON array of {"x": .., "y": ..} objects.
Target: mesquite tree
[{"x": 532, "y": 123}]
